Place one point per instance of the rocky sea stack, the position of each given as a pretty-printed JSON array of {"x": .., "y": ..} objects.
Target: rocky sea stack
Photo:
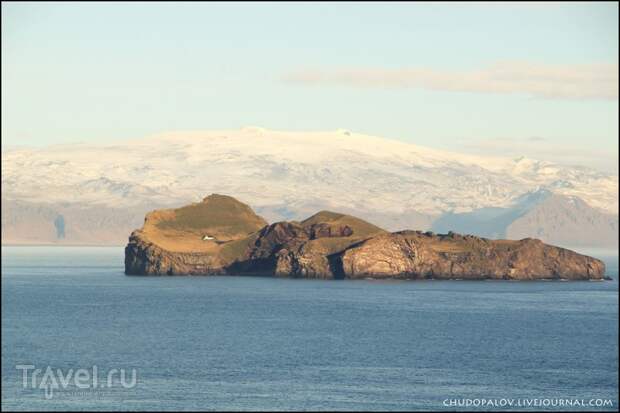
[{"x": 221, "y": 235}]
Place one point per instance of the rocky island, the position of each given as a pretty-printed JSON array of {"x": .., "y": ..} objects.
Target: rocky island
[{"x": 221, "y": 235}]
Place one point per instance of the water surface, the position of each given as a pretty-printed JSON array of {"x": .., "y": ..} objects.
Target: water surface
[{"x": 235, "y": 343}]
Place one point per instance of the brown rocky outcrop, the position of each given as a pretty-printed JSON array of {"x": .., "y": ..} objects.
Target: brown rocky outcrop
[
  {"x": 333, "y": 246},
  {"x": 409, "y": 254}
]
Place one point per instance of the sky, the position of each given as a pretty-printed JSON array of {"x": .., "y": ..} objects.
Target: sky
[{"x": 528, "y": 79}]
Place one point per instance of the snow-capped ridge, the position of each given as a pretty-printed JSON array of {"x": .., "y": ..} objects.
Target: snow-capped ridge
[{"x": 335, "y": 169}]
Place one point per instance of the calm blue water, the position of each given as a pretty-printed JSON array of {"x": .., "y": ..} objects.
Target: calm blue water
[{"x": 232, "y": 343}]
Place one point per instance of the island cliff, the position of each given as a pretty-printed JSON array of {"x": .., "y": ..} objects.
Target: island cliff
[{"x": 221, "y": 235}]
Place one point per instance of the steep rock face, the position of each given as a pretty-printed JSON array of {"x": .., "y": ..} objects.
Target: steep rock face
[
  {"x": 146, "y": 258},
  {"x": 383, "y": 256},
  {"x": 411, "y": 254},
  {"x": 308, "y": 260},
  {"x": 332, "y": 246},
  {"x": 293, "y": 249},
  {"x": 172, "y": 241}
]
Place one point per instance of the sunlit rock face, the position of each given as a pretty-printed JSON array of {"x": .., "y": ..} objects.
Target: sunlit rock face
[{"x": 221, "y": 235}]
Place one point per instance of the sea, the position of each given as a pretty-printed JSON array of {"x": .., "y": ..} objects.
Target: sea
[{"x": 78, "y": 334}]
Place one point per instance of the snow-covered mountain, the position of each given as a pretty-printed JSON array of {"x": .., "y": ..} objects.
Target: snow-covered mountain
[
  {"x": 288, "y": 175},
  {"x": 558, "y": 219}
]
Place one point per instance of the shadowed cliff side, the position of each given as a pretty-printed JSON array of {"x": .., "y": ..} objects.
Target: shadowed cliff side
[{"x": 221, "y": 235}]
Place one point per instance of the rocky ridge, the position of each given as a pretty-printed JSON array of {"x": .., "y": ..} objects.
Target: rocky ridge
[{"x": 221, "y": 235}]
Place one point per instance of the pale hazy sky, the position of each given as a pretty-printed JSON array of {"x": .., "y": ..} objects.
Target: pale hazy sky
[{"x": 534, "y": 79}]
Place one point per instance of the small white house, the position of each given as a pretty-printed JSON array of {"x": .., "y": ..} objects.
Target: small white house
[{"x": 207, "y": 238}]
